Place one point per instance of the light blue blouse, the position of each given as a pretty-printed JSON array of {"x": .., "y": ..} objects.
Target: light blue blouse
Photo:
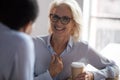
[
  {"x": 16, "y": 55},
  {"x": 75, "y": 51}
]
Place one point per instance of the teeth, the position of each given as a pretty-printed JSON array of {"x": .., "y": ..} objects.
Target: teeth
[{"x": 59, "y": 28}]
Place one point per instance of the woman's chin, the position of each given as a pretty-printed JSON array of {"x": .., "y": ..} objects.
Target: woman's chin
[{"x": 59, "y": 34}]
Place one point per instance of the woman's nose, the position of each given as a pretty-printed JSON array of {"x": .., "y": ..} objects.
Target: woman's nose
[{"x": 59, "y": 22}]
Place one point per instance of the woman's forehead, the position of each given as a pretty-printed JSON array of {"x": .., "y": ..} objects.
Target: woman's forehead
[{"x": 62, "y": 10}]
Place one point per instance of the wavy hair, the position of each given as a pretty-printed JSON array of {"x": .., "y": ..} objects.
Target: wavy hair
[{"x": 76, "y": 13}]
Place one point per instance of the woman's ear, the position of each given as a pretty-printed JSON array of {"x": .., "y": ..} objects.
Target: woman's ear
[{"x": 27, "y": 28}]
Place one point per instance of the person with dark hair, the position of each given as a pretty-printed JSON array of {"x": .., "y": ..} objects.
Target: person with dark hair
[
  {"x": 16, "y": 46},
  {"x": 56, "y": 51}
]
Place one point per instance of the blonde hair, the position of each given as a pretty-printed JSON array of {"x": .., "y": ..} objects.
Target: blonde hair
[{"x": 76, "y": 13}]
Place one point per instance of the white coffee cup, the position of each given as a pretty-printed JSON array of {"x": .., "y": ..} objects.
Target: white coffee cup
[{"x": 77, "y": 68}]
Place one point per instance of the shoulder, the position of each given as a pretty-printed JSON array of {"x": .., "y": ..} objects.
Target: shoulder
[
  {"x": 24, "y": 45},
  {"x": 22, "y": 39},
  {"x": 40, "y": 40},
  {"x": 83, "y": 44},
  {"x": 40, "y": 44}
]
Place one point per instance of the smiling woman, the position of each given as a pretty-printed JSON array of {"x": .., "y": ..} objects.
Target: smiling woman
[{"x": 56, "y": 52}]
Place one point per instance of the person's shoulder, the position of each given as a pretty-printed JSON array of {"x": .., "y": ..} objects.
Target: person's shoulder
[
  {"x": 22, "y": 38},
  {"x": 41, "y": 39},
  {"x": 82, "y": 43}
]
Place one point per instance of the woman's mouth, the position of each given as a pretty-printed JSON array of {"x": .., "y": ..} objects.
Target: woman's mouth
[{"x": 59, "y": 28}]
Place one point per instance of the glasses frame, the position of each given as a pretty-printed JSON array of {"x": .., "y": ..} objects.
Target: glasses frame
[{"x": 60, "y": 18}]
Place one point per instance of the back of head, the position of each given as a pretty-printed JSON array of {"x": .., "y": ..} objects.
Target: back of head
[{"x": 17, "y": 13}]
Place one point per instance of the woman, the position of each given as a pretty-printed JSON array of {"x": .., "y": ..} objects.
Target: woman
[{"x": 56, "y": 52}]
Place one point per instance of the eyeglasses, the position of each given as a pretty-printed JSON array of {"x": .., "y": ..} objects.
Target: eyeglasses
[{"x": 64, "y": 19}]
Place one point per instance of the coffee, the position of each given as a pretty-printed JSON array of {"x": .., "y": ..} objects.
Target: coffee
[{"x": 77, "y": 68}]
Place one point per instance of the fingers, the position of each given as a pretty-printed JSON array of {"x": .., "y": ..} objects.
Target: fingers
[
  {"x": 56, "y": 59},
  {"x": 56, "y": 65},
  {"x": 85, "y": 76},
  {"x": 82, "y": 76},
  {"x": 59, "y": 59},
  {"x": 53, "y": 58}
]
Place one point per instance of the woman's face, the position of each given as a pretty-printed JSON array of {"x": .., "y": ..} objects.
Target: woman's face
[{"x": 61, "y": 21}]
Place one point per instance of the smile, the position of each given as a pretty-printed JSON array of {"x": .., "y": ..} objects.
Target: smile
[{"x": 59, "y": 28}]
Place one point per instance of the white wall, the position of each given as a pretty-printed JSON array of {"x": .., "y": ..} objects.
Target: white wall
[{"x": 41, "y": 24}]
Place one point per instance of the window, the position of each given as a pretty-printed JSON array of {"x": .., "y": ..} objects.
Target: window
[{"x": 102, "y": 26}]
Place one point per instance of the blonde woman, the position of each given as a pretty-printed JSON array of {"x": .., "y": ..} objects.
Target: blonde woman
[{"x": 56, "y": 52}]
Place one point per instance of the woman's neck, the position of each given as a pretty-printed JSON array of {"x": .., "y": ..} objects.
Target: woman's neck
[{"x": 59, "y": 44}]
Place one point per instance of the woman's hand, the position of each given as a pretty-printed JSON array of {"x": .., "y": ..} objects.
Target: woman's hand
[
  {"x": 56, "y": 65},
  {"x": 85, "y": 76}
]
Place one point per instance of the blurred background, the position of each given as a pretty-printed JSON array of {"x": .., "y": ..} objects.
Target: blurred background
[{"x": 101, "y": 25}]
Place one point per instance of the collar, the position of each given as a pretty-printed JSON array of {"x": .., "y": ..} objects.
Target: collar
[
  {"x": 69, "y": 45},
  {"x": 3, "y": 27}
]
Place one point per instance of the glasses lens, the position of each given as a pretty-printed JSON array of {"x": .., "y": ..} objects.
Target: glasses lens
[
  {"x": 54, "y": 18},
  {"x": 65, "y": 20}
]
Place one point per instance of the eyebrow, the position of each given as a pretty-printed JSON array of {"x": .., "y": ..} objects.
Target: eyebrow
[{"x": 60, "y": 16}]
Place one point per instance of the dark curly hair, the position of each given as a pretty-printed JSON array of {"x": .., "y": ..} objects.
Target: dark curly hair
[{"x": 17, "y": 13}]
